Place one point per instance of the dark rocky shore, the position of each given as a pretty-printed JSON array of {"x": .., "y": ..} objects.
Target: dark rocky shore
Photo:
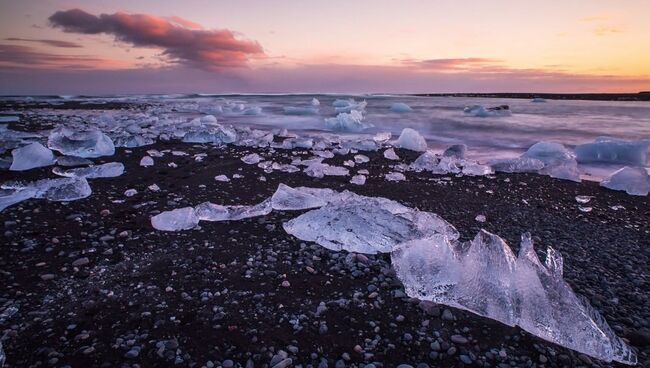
[{"x": 96, "y": 286}]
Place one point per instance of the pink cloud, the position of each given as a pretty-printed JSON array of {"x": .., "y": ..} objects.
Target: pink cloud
[
  {"x": 25, "y": 57},
  {"x": 452, "y": 64},
  {"x": 54, "y": 43},
  {"x": 182, "y": 41}
]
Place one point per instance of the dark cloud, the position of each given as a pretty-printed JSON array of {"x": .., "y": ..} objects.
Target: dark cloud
[
  {"x": 55, "y": 43},
  {"x": 181, "y": 40},
  {"x": 25, "y": 57}
]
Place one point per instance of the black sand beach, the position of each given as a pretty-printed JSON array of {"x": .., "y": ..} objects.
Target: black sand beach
[{"x": 97, "y": 286}]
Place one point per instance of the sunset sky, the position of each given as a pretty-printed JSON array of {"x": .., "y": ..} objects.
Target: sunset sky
[{"x": 102, "y": 47}]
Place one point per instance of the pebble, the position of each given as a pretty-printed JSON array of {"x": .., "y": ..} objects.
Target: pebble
[
  {"x": 81, "y": 262},
  {"x": 458, "y": 339}
]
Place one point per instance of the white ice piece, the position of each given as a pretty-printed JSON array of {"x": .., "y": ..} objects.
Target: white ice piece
[
  {"x": 87, "y": 144},
  {"x": 612, "y": 150},
  {"x": 146, "y": 161},
  {"x": 559, "y": 162},
  {"x": 315, "y": 102},
  {"x": 485, "y": 277},
  {"x": 358, "y": 180},
  {"x": 348, "y": 121},
  {"x": 251, "y": 159},
  {"x": 395, "y": 176},
  {"x": 222, "y": 178},
  {"x": 59, "y": 190},
  {"x": 301, "y": 198},
  {"x": 31, "y": 156},
  {"x": 175, "y": 220},
  {"x": 483, "y": 112},
  {"x": 410, "y": 139},
  {"x": 633, "y": 180},
  {"x": 400, "y": 107},
  {"x": 390, "y": 154},
  {"x": 207, "y": 211}
]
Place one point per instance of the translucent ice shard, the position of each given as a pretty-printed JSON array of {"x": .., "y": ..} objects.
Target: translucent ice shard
[
  {"x": 207, "y": 211},
  {"x": 520, "y": 164},
  {"x": 366, "y": 225},
  {"x": 348, "y": 121},
  {"x": 315, "y": 102},
  {"x": 400, "y": 107},
  {"x": 559, "y": 162},
  {"x": 288, "y": 198},
  {"x": 72, "y": 161},
  {"x": 633, "y": 180},
  {"x": 358, "y": 180},
  {"x": 31, "y": 156},
  {"x": 146, "y": 161},
  {"x": 251, "y": 159},
  {"x": 86, "y": 144},
  {"x": 613, "y": 150},
  {"x": 484, "y": 277},
  {"x": 395, "y": 176},
  {"x": 483, "y": 112},
  {"x": 456, "y": 151},
  {"x": 107, "y": 170},
  {"x": 175, "y": 220},
  {"x": 410, "y": 139},
  {"x": 390, "y": 154},
  {"x": 63, "y": 189}
]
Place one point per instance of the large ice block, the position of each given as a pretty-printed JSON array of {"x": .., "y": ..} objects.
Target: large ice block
[
  {"x": 85, "y": 144},
  {"x": 483, "y": 276},
  {"x": 107, "y": 170},
  {"x": 179, "y": 219},
  {"x": 633, "y": 180},
  {"x": 348, "y": 121},
  {"x": 31, "y": 156},
  {"x": 612, "y": 150},
  {"x": 410, "y": 139}
]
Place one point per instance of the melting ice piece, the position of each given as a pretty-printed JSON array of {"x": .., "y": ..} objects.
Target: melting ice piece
[
  {"x": 348, "y": 105},
  {"x": 146, "y": 161},
  {"x": 222, "y": 178},
  {"x": 395, "y": 176},
  {"x": 410, "y": 139},
  {"x": 400, "y": 107},
  {"x": 214, "y": 212},
  {"x": 612, "y": 150},
  {"x": 175, "y": 220},
  {"x": 559, "y": 162},
  {"x": 63, "y": 189},
  {"x": 87, "y": 144},
  {"x": 72, "y": 161},
  {"x": 108, "y": 170},
  {"x": 361, "y": 159},
  {"x": 633, "y": 180},
  {"x": 390, "y": 154},
  {"x": 358, "y": 180},
  {"x": 382, "y": 137},
  {"x": 290, "y": 110},
  {"x": 9, "y": 197},
  {"x": 348, "y": 121},
  {"x": 301, "y": 198},
  {"x": 319, "y": 170},
  {"x": 251, "y": 159},
  {"x": 315, "y": 102},
  {"x": 31, "y": 156},
  {"x": 521, "y": 164},
  {"x": 484, "y": 277},
  {"x": 366, "y": 225}
]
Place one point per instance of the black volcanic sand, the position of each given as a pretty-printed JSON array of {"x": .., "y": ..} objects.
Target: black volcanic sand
[{"x": 215, "y": 296}]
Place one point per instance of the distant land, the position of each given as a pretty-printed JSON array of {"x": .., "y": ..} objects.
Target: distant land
[{"x": 640, "y": 96}]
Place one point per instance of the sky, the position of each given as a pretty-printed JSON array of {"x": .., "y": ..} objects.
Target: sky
[{"x": 354, "y": 46}]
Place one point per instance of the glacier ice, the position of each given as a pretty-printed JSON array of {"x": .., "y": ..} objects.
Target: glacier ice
[
  {"x": 483, "y": 112},
  {"x": 515, "y": 165},
  {"x": 429, "y": 161},
  {"x": 179, "y": 219},
  {"x": 484, "y": 276},
  {"x": 358, "y": 180},
  {"x": 559, "y": 162},
  {"x": 395, "y": 176},
  {"x": 633, "y": 180},
  {"x": 366, "y": 225},
  {"x": 301, "y": 198},
  {"x": 315, "y": 102},
  {"x": 207, "y": 211},
  {"x": 410, "y": 139},
  {"x": 390, "y": 154},
  {"x": 348, "y": 121},
  {"x": 86, "y": 144},
  {"x": 60, "y": 190},
  {"x": 146, "y": 161},
  {"x": 348, "y": 105},
  {"x": 538, "y": 100},
  {"x": 612, "y": 150},
  {"x": 107, "y": 170},
  {"x": 31, "y": 156},
  {"x": 400, "y": 107},
  {"x": 222, "y": 178},
  {"x": 320, "y": 170},
  {"x": 251, "y": 159}
]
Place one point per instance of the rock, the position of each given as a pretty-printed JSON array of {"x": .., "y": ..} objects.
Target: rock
[{"x": 81, "y": 262}]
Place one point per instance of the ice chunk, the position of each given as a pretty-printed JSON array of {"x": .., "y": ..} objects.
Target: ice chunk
[
  {"x": 222, "y": 178},
  {"x": 559, "y": 162},
  {"x": 361, "y": 159},
  {"x": 390, "y": 154},
  {"x": 358, "y": 180},
  {"x": 633, "y": 180},
  {"x": 251, "y": 159},
  {"x": 9, "y": 197},
  {"x": 410, "y": 139},
  {"x": 484, "y": 277},
  {"x": 60, "y": 190},
  {"x": 395, "y": 176},
  {"x": 319, "y": 170},
  {"x": 612, "y": 150},
  {"x": 108, "y": 170},
  {"x": 72, "y": 161},
  {"x": 400, "y": 107},
  {"x": 315, "y": 102},
  {"x": 366, "y": 225},
  {"x": 175, "y": 220},
  {"x": 349, "y": 105},
  {"x": 514, "y": 165},
  {"x": 290, "y": 110},
  {"x": 146, "y": 161},
  {"x": 31, "y": 156},
  {"x": 351, "y": 122},
  {"x": 86, "y": 144},
  {"x": 456, "y": 151},
  {"x": 483, "y": 112},
  {"x": 130, "y": 192},
  {"x": 475, "y": 169},
  {"x": 207, "y": 211},
  {"x": 288, "y": 198},
  {"x": 538, "y": 100}
]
